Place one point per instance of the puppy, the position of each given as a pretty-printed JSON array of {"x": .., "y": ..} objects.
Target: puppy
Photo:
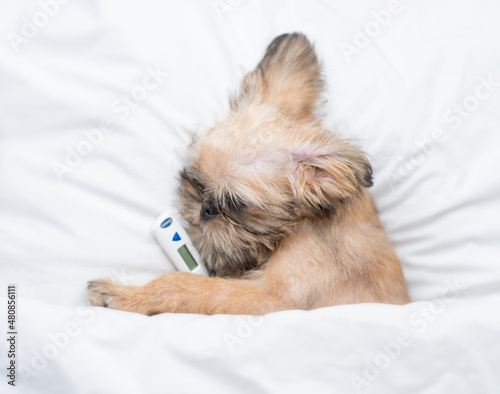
[{"x": 277, "y": 207}]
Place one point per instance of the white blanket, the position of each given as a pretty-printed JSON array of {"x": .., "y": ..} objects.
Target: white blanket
[{"x": 98, "y": 100}]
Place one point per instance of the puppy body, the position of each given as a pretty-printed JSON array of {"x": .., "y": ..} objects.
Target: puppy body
[{"x": 277, "y": 206}]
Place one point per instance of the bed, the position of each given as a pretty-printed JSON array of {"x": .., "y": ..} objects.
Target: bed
[{"x": 98, "y": 101}]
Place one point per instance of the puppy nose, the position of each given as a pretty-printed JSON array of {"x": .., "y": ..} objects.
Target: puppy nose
[{"x": 208, "y": 210}]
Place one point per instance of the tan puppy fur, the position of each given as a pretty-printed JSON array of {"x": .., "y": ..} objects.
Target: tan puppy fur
[{"x": 277, "y": 206}]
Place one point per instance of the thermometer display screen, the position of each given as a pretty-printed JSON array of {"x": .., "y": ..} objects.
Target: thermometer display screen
[{"x": 186, "y": 256}]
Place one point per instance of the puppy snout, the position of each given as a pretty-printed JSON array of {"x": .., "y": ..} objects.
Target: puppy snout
[{"x": 208, "y": 210}]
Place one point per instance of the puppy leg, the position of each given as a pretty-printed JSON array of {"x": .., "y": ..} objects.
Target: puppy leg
[{"x": 187, "y": 293}]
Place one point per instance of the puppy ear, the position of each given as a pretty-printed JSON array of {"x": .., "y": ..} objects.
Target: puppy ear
[
  {"x": 322, "y": 178},
  {"x": 288, "y": 78}
]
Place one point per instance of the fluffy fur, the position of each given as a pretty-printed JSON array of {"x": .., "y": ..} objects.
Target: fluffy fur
[{"x": 277, "y": 206}]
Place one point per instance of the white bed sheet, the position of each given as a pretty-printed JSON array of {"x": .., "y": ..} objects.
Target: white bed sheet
[{"x": 441, "y": 207}]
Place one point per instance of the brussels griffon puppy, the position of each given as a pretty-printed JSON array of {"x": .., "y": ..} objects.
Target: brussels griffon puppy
[{"x": 277, "y": 207}]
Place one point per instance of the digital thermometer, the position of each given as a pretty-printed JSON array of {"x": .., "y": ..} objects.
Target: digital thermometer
[{"x": 174, "y": 240}]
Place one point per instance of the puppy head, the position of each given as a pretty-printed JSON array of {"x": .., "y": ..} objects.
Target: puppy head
[{"x": 253, "y": 179}]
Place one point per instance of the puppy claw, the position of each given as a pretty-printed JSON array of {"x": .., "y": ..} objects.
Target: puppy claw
[{"x": 101, "y": 292}]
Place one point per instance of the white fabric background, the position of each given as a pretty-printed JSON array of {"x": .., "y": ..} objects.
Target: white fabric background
[{"x": 56, "y": 234}]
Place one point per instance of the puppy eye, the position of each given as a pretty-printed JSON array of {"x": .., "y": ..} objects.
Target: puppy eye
[
  {"x": 235, "y": 203},
  {"x": 193, "y": 181}
]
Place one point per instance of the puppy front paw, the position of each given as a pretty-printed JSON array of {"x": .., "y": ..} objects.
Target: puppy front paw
[{"x": 103, "y": 292}]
